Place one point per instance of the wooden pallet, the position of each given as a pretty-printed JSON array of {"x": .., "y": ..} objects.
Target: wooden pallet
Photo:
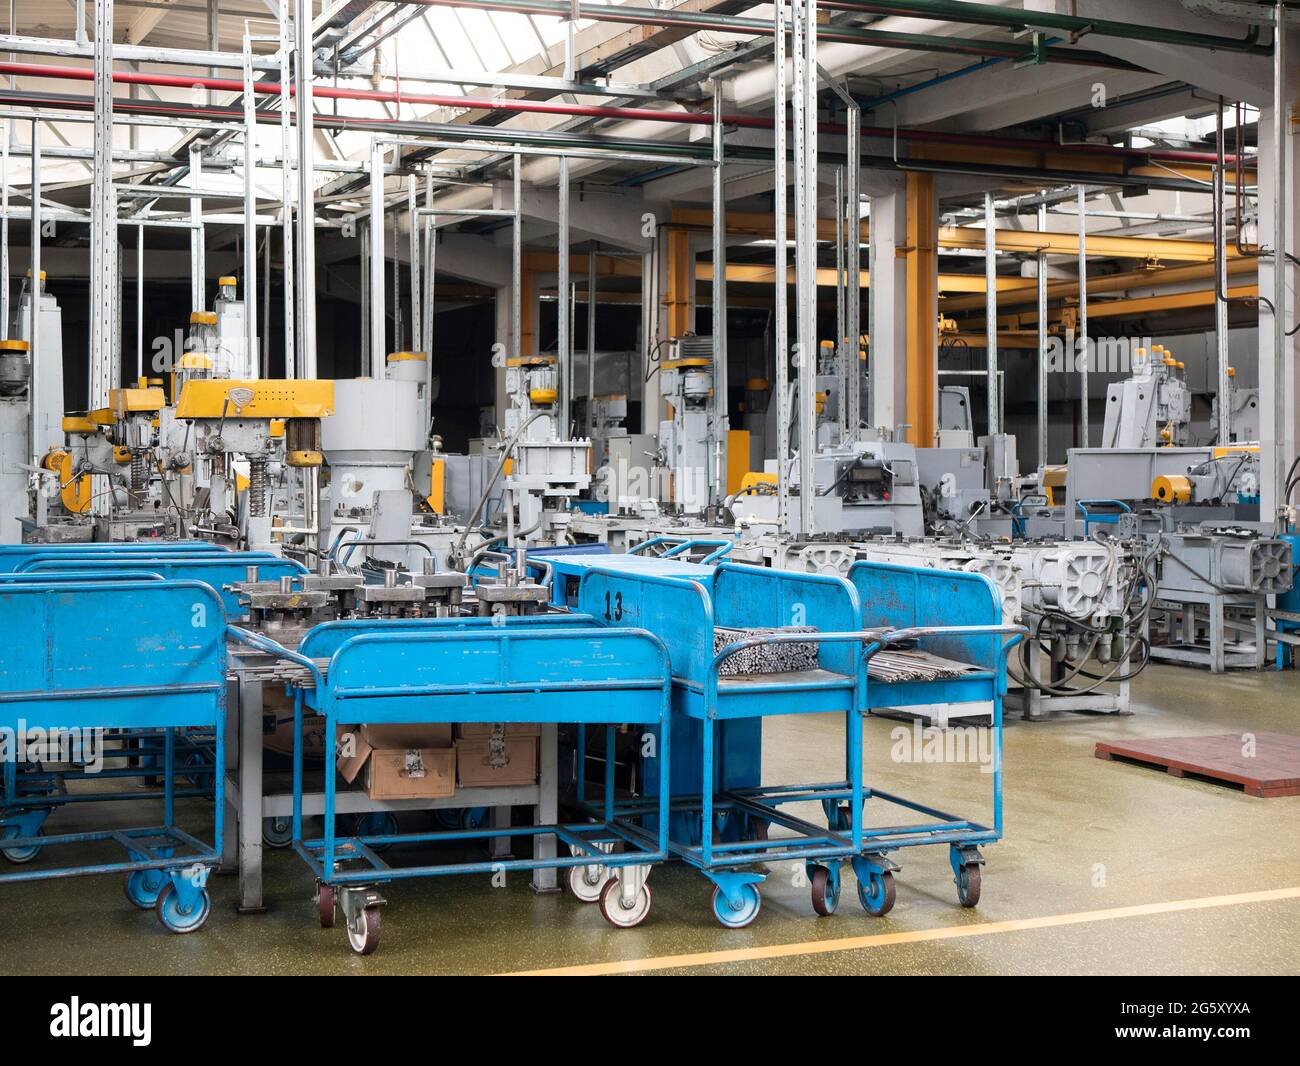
[{"x": 1273, "y": 770}]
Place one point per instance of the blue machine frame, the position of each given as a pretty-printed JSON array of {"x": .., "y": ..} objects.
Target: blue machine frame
[
  {"x": 144, "y": 655},
  {"x": 218, "y": 570},
  {"x": 539, "y": 668}
]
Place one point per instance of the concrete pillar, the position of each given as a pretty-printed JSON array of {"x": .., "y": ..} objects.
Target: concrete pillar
[
  {"x": 1279, "y": 444},
  {"x": 887, "y": 323}
]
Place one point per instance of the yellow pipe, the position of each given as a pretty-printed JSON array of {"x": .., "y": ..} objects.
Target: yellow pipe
[
  {"x": 1026, "y": 290},
  {"x": 1141, "y": 305},
  {"x": 1008, "y": 240}
]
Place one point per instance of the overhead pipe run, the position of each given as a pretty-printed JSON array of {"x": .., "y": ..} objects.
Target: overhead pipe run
[
  {"x": 839, "y": 34},
  {"x": 964, "y": 11},
  {"x": 637, "y": 114}
]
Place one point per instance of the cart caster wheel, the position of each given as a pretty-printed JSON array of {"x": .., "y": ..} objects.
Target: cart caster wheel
[
  {"x": 376, "y": 824},
  {"x": 143, "y": 887},
  {"x": 473, "y": 818},
  {"x": 195, "y": 772},
  {"x": 737, "y": 917},
  {"x": 27, "y": 853},
  {"x": 364, "y": 940},
  {"x": 277, "y": 832},
  {"x": 175, "y": 918},
  {"x": 877, "y": 895},
  {"x": 825, "y": 891},
  {"x": 325, "y": 905},
  {"x": 616, "y": 912},
  {"x": 587, "y": 882},
  {"x": 968, "y": 884}
]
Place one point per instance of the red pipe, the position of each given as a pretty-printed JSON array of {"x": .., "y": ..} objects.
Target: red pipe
[
  {"x": 631, "y": 114},
  {"x": 264, "y": 88}
]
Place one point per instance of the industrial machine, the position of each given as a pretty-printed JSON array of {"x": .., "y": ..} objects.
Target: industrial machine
[
  {"x": 866, "y": 486},
  {"x": 1150, "y": 408},
  {"x": 547, "y": 469},
  {"x": 691, "y": 444},
  {"x": 1213, "y": 599},
  {"x": 261, "y": 423}
]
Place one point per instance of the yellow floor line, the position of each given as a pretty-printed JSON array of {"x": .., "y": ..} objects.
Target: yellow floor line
[{"x": 881, "y": 940}]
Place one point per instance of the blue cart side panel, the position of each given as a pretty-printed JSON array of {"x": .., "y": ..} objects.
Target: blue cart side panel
[
  {"x": 738, "y": 761},
  {"x": 213, "y": 570},
  {"x": 756, "y": 597},
  {"x": 904, "y": 596},
  {"x": 501, "y": 673},
  {"x": 112, "y": 654},
  {"x": 13, "y": 554},
  {"x": 323, "y": 640},
  {"x": 677, "y": 609}
]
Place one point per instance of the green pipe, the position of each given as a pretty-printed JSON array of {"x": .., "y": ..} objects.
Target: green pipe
[
  {"x": 691, "y": 22},
  {"x": 1016, "y": 18}
]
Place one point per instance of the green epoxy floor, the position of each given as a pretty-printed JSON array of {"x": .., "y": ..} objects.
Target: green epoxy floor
[{"x": 1081, "y": 835}]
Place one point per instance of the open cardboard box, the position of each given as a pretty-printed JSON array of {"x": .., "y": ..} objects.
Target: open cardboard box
[{"x": 401, "y": 761}]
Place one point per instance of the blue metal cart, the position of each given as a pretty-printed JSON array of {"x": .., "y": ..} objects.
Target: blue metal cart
[
  {"x": 540, "y": 668},
  {"x": 88, "y": 656},
  {"x": 721, "y": 810}
]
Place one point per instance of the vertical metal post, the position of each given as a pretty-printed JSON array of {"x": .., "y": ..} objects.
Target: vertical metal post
[
  {"x": 841, "y": 304},
  {"x": 1280, "y": 120},
  {"x": 4, "y": 231},
  {"x": 378, "y": 303},
  {"x": 780, "y": 324},
  {"x": 721, "y": 412},
  {"x": 197, "y": 267},
  {"x": 430, "y": 255},
  {"x": 565, "y": 341},
  {"x": 139, "y": 301},
  {"x": 1042, "y": 338},
  {"x": 35, "y": 444},
  {"x": 286, "y": 187},
  {"x": 516, "y": 259},
  {"x": 1224, "y": 383},
  {"x": 991, "y": 310},
  {"x": 414, "y": 236},
  {"x": 363, "y": 240},
  {"x": 103, "y": 230},
  {"x": 805, "y": 134},
  {"x": 853, "y": 402},
  {"x": 306, "y": 287},
  {"x": 252, "y": 357},
  {"x": 591, "y": 340},
  {"x": 266, "y": 301},
  {"x": 1084, "y": 355}
]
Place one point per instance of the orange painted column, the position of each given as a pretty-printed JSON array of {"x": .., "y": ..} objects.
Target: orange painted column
[{"x": 922, "y": 261}]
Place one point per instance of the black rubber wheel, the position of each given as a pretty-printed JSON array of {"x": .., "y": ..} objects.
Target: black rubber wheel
[
  {"x": 968, "y": 884},
  {"x": 825, "y": 893},
  {"x": 325, "y": 905}
]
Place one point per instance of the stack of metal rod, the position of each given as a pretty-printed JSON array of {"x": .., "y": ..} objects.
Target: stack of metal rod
[{"x": 776, "y": 658}]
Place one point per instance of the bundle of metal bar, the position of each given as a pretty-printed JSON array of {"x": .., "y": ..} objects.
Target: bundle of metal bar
[{"x": 890, "y": 664}]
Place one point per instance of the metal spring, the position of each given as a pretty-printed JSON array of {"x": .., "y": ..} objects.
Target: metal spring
[
  {"x": 257, "y": 485},
  {"x": 139, "y": 473}
]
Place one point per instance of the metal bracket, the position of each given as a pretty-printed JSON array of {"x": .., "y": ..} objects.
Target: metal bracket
[{"x": 355, "y": 899}]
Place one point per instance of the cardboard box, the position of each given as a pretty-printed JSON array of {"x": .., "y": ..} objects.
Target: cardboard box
[
  {"x": 474, "y": 770},
  {"x": 389, "y": 774},
  {"x": 480, "y": 730},
  {"x": 401, "y": 761}
]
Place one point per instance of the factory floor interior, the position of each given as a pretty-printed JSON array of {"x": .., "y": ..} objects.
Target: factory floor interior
[{"x": 1107, "y": 867}]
